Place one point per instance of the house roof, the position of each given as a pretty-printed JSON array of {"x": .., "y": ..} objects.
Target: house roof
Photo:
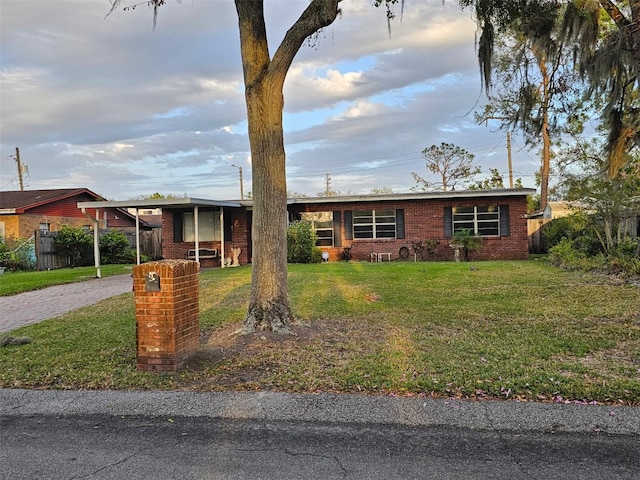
[
  {"x": 164, "y": 203},
  {"x": 13, "y": 202},
  {"x": 174, "y": 203},
  {"x": 502, "y": 192},
  {"x": 19, "y": 202}
]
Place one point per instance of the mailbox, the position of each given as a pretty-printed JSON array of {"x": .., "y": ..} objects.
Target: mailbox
[{"x": 152, "y": 282}]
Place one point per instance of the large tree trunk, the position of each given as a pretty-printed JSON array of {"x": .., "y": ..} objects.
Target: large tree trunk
[
  {"x": 269, "y": 304},
  {"x": 541, "y": 58},
  {"x": 264, "y": 81}
]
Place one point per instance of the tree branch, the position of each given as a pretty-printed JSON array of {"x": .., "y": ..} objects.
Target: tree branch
[{"x": 319, "y": 14}]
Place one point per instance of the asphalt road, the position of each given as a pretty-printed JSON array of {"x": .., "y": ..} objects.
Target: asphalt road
[
  {"x": 112, "y": 447},
  {"x": 266, "y": 435}
]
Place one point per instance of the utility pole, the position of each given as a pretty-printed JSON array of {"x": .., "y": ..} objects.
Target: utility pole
[
  {"x": 486, "y": 120},
  {"x": 327, "y": 187},
  {"x": 509, "y": 159},
  {"x": 241, "y": 182},
  {"x": 19, "y": 169}
]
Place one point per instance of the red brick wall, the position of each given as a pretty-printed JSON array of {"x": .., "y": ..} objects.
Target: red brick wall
[
  {"x": 239, "y": 239},
  {"x": 167, "y": 321},
  {"x": 424, "y": 220}
]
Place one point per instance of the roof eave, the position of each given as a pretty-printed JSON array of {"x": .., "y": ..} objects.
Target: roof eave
[
  {"x": 167, "y": 203},
  {"x": 506, "y": 192}
]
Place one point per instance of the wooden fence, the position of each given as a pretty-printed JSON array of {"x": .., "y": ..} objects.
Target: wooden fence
[
  {"x": 150, "y": 242},
  {"x": 47, "y": 258},
  {"x": 535, "y": 229}
]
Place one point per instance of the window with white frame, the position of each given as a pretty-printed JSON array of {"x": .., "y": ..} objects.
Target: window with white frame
[
  {"x": 482, "y": 220},
  {"x": 374, "y": 224},
  {"x": 322, "y": 224},
  {"x": 208, "y": 226}
]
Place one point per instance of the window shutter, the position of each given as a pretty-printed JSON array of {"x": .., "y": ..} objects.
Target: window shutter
[
  {"x": 400, "y": 223},
  {"x": 448, "y": 222},
  {"x": 505, "y": 230},
  {"x": 337, "y": 234},
  {"x": 177, "y": 227},
  {"x": 348, "y": 225},
  {"x": 228, "y": 227}
]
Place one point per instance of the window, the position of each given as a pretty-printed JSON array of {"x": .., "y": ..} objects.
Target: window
[
  {"x": 374, "y": 224},
  {"x": 322, "y": 224},
  {"x": 208, "y": 226},
  {"x": 483, "y": 221}
]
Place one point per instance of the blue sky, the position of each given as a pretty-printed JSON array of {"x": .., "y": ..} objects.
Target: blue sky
[{"x": 115, "y": 106}]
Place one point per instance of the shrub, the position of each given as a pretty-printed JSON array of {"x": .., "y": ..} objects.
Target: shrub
[
  {"x": 73, "y": 242},
  {"x": 564, "y": 227},
  {"x": 17, "y": 254},
  {"x": 564, "y": 254},
  {"x": 301, "y": 244},
  {"x": 115, "y": 248}
]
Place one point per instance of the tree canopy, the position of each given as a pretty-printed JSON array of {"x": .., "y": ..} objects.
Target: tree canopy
[
  {"x": 607, "y": 54},
  {"x": 452, "y": 164}
]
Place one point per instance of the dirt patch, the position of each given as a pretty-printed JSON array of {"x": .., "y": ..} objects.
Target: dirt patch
[
  {"x": 261, "y": 360},
  {"x": 330, "y": 331}
]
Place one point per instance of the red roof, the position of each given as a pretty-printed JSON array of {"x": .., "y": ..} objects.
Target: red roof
[{"x": 20, "y": 201}]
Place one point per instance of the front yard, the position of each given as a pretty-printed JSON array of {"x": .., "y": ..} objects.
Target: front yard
[{"x": 510, "y": 330}]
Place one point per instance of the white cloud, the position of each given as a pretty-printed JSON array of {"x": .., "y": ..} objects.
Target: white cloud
[{"x": 113, "y": 105}]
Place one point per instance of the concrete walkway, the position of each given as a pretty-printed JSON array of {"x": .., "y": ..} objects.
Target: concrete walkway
[{"x": 33, "y": 307}]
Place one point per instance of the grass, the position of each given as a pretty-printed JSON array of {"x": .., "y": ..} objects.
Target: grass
[
  {"x": 12, "y": 283},
  {"x": 514, "y": 330}
]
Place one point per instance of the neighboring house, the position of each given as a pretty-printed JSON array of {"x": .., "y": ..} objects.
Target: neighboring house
[
  {"x": 366, "y": 225},
  {"x": 38, "y": 214},
  {"x": 24, "y": 212}
]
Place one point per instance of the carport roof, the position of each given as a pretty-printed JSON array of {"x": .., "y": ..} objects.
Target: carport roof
[{"x": 164, "y": 203}]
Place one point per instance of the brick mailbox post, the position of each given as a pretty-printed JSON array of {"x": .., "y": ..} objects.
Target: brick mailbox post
[{"x": 167, "y": 323}]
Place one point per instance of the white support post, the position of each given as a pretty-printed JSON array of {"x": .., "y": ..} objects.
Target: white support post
[
  {"x": 222, "y": 237},
  {"x": 196, "y": 227},
  {"x": 96, "y": 243},
  {"x": 137, "y": 237}
]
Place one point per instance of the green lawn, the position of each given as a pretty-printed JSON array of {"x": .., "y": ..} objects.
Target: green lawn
[
  {"x": 511, "y": 330},
  {"x": 18, "y": 282}
]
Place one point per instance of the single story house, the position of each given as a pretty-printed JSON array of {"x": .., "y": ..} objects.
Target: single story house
[{"x": 378, "y": 227}]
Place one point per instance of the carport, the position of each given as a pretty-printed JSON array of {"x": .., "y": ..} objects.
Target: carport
[{"x": 92, "y": 211}]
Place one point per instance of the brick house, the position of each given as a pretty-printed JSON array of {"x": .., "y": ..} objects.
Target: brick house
[{"x": 383, "y": 225}]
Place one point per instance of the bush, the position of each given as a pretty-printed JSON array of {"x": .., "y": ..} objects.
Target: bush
[
  {"x": 115, "y": 248},
  {"x": 563, "y": 254},
  {"x": 568, "y": 227},
  {"x": 301, "y": 244},
  {"x": 17, "y": 254},
  {"x": 73, "y": 242}
]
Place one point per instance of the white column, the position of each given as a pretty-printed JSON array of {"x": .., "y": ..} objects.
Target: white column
[
  {"x": 221, "y": 237},
  {"x": 196, "y": 212}
]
